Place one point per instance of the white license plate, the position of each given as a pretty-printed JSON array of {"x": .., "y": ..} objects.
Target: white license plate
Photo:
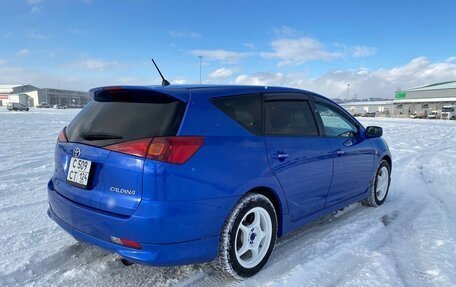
[{"x": 79, "y": 172}]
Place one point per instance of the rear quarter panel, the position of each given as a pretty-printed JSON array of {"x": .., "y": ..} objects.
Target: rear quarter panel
[{"x": 231, "y": 162}]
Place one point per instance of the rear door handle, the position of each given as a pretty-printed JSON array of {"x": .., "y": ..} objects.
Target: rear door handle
[
  {"x": 340, "y": 152},
  {"x": 280, "y": 155}
]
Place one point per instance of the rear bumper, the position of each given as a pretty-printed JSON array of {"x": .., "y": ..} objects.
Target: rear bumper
[
  {"x": 170, "y": 233},
  {"x": 190, "y": 252}
]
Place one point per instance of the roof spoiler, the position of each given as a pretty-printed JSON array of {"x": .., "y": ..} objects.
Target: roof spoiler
[{"x": 182, "y": 95}]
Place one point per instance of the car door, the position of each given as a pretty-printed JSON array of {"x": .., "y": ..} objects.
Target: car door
[
  {"x": 353, "y": 157},
  {"x": 299, "y": 157}
]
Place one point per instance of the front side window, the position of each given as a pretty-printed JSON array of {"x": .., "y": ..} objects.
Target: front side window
[
  {"x": 336, "y": 124},
  {"x": 289, "y": 118}
]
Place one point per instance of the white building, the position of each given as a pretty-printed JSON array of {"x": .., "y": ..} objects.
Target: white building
[
  {"x": 424, "y": 98},
  {"x": 420, "y": 99},
  {"x": 381, "y": 108},
  {"x": 32, "y": 96},
  {"x": 25, "y": 94}
]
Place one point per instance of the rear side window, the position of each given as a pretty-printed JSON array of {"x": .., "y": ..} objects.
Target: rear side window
[
  {"x": 244, "y": 109},
  {"x": 289, "y": 118},
  {"x": 124, "y": 116}
]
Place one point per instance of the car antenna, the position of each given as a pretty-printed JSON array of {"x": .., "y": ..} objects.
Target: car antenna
[{"x": 164, "y": 81}]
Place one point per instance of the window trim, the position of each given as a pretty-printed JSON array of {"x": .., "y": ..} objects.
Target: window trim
[
  {"x": 288, "y": 97},
  {"x": 341, "y": 111}
]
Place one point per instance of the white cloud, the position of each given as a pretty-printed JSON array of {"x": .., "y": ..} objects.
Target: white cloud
[
  {"x": 295, "y": 51},
  {"x": 57, "y": 78},
  {"x": 179, "y": 82},
  {"x": 35, "y": 34},
  {"x": 250, "y": 45},
  {"x": 364, "y": 83},
  {"x": 260, "y": 79},
  {"x": 34, "y": 11},
  {"x": 23, "y": 52},
  {"x": 222, "y": 73},
  {"x": 184, "y": 33},
  {"x": 93, "y": 64},
  {"x": 224, "y": 56},
  {"x": 285, "y": 31},
  {"x": 298, "y": 51},
  {"x": 362, "y": 51}
]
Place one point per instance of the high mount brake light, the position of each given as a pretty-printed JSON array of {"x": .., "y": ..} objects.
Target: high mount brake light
[
  {"x": 177, "y": 149},
  {"x": 62, "y": 137},
  {"x": 113, "y": 89}
]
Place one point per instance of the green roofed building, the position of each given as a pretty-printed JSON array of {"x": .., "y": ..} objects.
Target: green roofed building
[
  {"x": 424, "y": 99},
  {"x": 421, "y": 100}
]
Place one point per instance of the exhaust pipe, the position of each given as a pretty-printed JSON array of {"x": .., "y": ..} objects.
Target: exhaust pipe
[{"x": 126, "y": 262}]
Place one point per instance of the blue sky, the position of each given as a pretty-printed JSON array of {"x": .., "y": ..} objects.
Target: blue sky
[{"x": 376, "y": 46}]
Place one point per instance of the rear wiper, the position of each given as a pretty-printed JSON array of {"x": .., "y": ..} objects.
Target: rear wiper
[{"x": 93, "y": 136}]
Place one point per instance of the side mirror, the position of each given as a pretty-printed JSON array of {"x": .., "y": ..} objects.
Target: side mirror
[{"x": 374, "y": 132}]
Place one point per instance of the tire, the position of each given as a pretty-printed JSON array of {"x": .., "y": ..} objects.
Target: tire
[
  {"x": 236, "y": 257},
  {"x": 379, "y": 185}
]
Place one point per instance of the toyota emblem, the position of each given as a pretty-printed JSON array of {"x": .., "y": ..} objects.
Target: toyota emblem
[{"x": 76, "y": 152}]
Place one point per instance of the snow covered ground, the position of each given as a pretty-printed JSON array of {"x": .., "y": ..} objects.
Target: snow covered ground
[{"x": 409, "y": 241}]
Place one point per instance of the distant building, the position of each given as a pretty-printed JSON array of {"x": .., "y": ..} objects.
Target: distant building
[
  {"x": 32, "y": 96},
  {"x": 63, "y": 97},
  {"x": 381, "y": 108},
  {"x": 424, "y": 99}
]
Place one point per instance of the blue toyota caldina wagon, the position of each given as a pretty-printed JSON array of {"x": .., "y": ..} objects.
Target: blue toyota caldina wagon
[{"x": 171, "y": 175}]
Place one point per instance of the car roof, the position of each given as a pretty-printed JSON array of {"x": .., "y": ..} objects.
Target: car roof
[{"x": 182, "y": 92}]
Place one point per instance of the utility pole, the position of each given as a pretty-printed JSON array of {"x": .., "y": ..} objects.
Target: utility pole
[
  {"x": 200, "y": 58},
  {"x": 348, "y": 90}
]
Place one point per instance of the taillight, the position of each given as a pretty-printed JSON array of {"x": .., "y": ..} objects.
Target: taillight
[
  {"x": 167, "y": 149},
  {"x": 62, "y": 137},
  {"x": 174, "y": 149},
  {"x": 137, "y": 148}
]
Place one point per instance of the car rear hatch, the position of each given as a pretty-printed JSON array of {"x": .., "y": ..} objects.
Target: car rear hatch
[{"x": 107, "y": 139}]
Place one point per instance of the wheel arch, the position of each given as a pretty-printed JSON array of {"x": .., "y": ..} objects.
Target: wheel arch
[
  {"x": 388, "y": 159},
  {"x": 274, "y": 198}
]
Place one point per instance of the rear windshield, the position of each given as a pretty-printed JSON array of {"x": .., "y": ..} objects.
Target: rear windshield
[{"x": 124, "y": 116}]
